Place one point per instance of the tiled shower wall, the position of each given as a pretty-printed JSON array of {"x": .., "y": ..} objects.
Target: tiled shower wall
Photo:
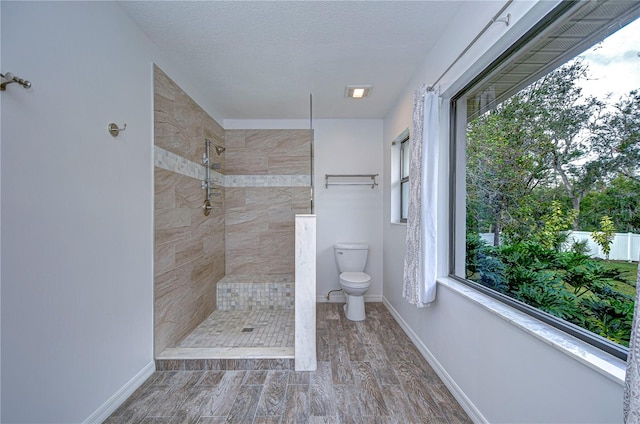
[
  {"x": 262, "y": 181},
  {"x": 189, "y": 248},
  {"x": 268, "y": 178}
]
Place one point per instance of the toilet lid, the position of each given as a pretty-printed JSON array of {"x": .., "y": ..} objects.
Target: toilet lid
[{"x": 355, "y": 277}]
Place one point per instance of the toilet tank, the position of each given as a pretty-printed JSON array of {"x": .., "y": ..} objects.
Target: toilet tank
[{"x": 351, "y": 257}]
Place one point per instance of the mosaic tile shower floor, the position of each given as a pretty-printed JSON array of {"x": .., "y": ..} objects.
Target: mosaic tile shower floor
[
  {"x": 271, "y": 328},
  {"x": 221, "y": 335}
]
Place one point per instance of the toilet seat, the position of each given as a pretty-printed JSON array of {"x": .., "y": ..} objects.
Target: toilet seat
[{"x": 355, "y": 279}]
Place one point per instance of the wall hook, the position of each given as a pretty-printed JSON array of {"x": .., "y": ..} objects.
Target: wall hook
[
  {"x": 9, "y": 78},
  {"x": 506, "y": 19},
  {"x": 114, "y": 130}
]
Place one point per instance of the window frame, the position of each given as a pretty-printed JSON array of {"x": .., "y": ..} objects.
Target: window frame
[
  {"x": 405, "y": 143},
  {"x": 457, "y": 143}
]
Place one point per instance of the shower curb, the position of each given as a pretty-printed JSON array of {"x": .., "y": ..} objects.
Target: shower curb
[{"x": 224, "y": 364}]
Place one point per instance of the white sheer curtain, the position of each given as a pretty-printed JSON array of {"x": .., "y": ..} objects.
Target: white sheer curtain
[
  {"x": 632, "y": 379},
  {"x": 419, "y": 282}
]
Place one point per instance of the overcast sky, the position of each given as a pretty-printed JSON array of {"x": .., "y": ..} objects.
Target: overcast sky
[{"x": 614, "y": 64}]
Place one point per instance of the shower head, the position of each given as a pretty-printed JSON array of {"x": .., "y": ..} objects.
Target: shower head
[{"x": 219, "y": 149}]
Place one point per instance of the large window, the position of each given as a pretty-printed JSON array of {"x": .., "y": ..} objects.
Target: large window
[{"x": 546, "y": 169}]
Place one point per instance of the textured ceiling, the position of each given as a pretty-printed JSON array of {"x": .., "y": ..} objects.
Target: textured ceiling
[{"x": 262, "y": 59}]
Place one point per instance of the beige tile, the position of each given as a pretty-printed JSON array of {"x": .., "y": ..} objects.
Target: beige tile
[
  {"x": 234, "y": 197},
  {"x": 202, "y": 226},
  {"x": 188, "y": 192},
  {"x": 278, "y": 141},
  {"x": 219, "y": 267},
  {"x": 246, "y": 221},
  {"x": 234, "y": 139},
  {"x": 300, "y": 199},
  {"x": 246, "y": 265},
  {"x": 239, "y": 242},
  {"x": 173, "y": 302},
  {"x": 164, "y": 258},
  {"x": 163, "y": 85},
  {"x": 202, "y": 272},
  {"x": 187, "y": 115},
  {"x": 289, "y": 165},
  {"x": 165, "y": 283},
  {"x": 163, "y": 113},
  {"x": 169, "y": 234},
  {"x": 277, "y": 244},
  {"x": 281, "y": 265},
  {"x": 164, "y": 189},
  {"x": 213, "y": 131},
  {"x": 246, "y": 162},
  {"x": 170, "y": 137},
  {"x": 188, "y": 250},
  {"x": 267, "y": 198},
  {"x": 172, "y": 218},
  {"x": 264, "y": 140},
  {"x": 281, "y": 220},
  {"x": 213, "y": 245}
]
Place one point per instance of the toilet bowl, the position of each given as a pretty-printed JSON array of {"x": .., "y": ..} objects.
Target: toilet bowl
[
  {"x": 355, "y": 285},
  {"x": 351, "y": 259}
]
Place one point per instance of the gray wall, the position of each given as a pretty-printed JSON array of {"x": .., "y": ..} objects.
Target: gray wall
[{"x": 77, "y": 208}]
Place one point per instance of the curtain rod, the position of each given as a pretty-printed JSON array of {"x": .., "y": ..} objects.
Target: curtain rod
[{"x": 495, "y": 19}]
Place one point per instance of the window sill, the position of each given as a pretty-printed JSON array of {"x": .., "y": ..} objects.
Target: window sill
[
  {"x": 594, "y": 358},
  {"x": 404, "y": 224}
]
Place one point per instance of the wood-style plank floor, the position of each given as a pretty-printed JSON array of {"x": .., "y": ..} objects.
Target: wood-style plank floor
[{"x": 368, "y": 372}]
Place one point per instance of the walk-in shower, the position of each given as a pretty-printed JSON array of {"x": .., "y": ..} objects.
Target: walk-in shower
[{"x": 226, "y": 277}]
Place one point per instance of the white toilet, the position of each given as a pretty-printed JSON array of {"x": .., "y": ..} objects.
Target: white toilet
[{"x": 351, "y": 259}]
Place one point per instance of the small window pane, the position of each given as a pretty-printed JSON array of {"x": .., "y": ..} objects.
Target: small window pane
[
  {"x": 405, "y": 159},
  {"x": 405, "y": 199}
]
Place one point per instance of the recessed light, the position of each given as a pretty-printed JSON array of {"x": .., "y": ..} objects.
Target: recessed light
[{"x": 358, "y": 91}]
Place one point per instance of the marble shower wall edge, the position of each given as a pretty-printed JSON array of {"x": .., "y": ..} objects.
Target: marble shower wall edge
[{"x": 171, "y": 162}]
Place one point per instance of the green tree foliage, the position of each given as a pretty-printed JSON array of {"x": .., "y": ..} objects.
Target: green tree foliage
[
  {"x": 553, "y": 234},
  {"x": 549, "y": 137},
  {"x": 505, "y": 166},
  {"x": 618, "y": 141},
  {"x": 605, "y": 236},
  {"x": 618, "y": 199},
  {"x": 569, "y": 122}
]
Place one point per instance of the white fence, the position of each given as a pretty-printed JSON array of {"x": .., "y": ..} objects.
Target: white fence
[{"x": 625, "y": 246}]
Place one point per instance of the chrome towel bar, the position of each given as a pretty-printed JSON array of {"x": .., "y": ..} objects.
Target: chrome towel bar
[{"x": 345, "y": 179}]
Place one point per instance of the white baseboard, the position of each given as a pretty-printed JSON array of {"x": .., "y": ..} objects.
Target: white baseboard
[
  {"x": 121, "y": 395},
  {"x": 340, "y": 298},
  {"x": 474, "y": 414}
]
